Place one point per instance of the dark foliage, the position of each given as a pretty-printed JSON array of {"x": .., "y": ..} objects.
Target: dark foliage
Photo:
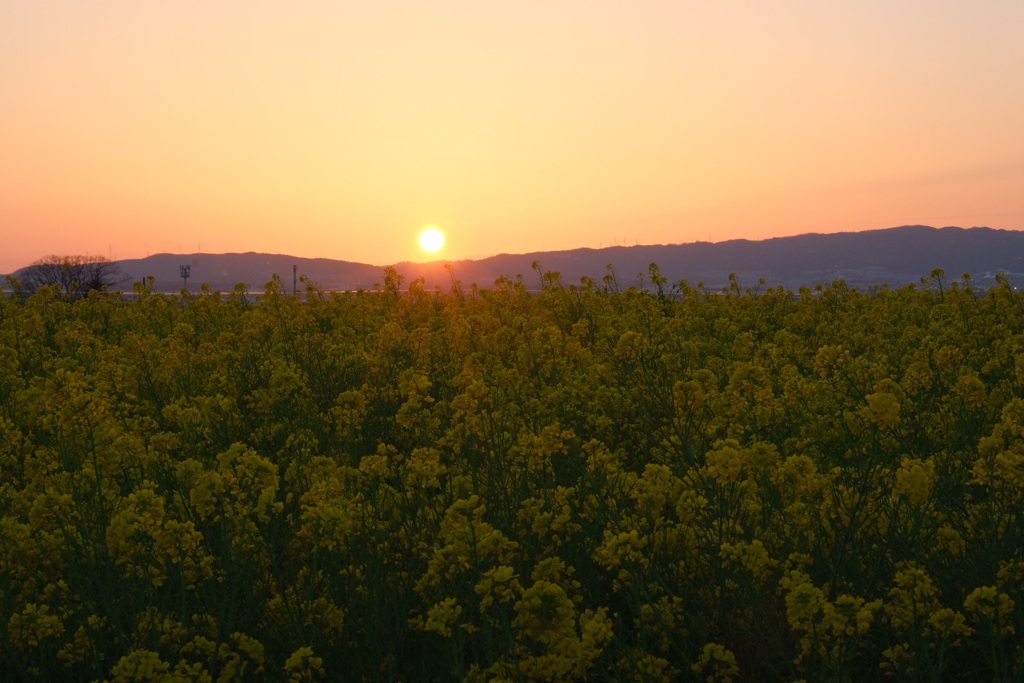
[{"x": 75, "y": 276}]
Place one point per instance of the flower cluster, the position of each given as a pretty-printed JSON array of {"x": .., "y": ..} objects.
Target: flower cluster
[{"x": 583, "y": 483}]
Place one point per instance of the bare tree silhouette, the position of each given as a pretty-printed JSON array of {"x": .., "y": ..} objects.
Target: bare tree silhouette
[{"x": 75, "y": 276}]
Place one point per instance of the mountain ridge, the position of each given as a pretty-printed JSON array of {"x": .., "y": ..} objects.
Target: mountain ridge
[{"x": 890, "y": 256}]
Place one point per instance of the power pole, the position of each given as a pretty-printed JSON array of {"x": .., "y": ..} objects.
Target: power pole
[
  {"x": 295, "y": 280},
  {"x": 185, "y": 272}
]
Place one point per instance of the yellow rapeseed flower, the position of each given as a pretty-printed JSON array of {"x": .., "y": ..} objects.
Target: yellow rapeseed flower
[
  {"x": 718, "y": 663},
  {"x": 442, "y": 616},
  {"x": 302, "y": 665},
  {"x": 988, "y": 604},
  {"x": 915, "y": 479},
  {"x": 882, "y": 410}
]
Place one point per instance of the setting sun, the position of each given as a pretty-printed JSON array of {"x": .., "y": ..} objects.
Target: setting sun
[{"x": 431, "y": 239}]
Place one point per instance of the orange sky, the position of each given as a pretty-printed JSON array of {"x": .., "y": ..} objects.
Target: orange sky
[{"x": 339, "y": 129}]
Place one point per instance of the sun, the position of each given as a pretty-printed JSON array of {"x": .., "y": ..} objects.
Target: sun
[{"x": 431, "y": 239}]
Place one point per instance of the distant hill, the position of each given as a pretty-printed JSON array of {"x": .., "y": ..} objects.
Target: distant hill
[
  {"x": 223, "y": 271},
  {"x": 894, "y": 256}
]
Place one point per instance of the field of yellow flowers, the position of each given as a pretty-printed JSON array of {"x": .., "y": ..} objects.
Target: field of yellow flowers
[{"x": 490, "y": 484}]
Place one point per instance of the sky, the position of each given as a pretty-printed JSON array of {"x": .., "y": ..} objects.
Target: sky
[{"x": 321, "y": 128}]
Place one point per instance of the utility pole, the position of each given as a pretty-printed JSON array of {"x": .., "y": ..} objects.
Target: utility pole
[
  {"x": 185, "y": 272},
  {"x": 295, "y": 280}
]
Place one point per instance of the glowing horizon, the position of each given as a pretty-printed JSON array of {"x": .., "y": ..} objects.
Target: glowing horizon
[{"x": 339, "y": 131}]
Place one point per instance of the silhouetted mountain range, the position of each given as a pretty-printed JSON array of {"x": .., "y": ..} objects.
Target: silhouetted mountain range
[{"x": 895, "y": 256}]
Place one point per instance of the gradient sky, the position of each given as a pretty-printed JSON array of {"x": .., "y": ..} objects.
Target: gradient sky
[{"x": 339, "y": 129}]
